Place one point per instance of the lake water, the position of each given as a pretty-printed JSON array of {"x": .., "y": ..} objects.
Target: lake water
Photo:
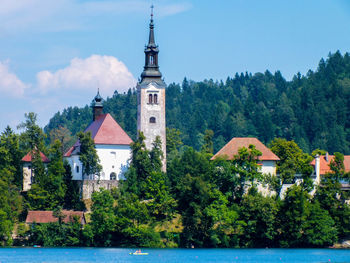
[{"x": 49, "y": 255}]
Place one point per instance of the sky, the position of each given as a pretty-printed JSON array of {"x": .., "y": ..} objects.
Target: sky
[{"x": 58, "y": 53}]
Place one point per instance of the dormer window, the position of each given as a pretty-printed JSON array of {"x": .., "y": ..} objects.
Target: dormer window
[
  {"x": 150, "y": 100},
  {"x": 152, "y": 120}
]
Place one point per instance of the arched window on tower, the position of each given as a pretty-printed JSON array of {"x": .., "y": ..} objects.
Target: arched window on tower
[
  {"x": 113, "y": 176},
  {"x": 151, "y": 60},
  {"x": 152, "y": 120},
  {"x": 150, "y": 101},
  {"x": 155, "y": 99}
]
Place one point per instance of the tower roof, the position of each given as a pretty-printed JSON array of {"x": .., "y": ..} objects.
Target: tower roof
[
  {"x": 151, "y": 68},
  {"x": 232, "y": 147},
  {"x": 97, "y": 101},
  {"x": 104, "y": 130}
]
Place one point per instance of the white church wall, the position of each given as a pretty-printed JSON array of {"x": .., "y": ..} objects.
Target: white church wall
[
  {"x": 76, "y": 166},
  {"x": 114, "y": 159}
]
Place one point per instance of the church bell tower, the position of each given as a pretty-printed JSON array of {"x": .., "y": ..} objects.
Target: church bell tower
[{"x": 151, "y": 97}]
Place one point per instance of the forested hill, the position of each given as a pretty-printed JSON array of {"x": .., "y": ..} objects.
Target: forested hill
[{"x": 313, "y": 110}]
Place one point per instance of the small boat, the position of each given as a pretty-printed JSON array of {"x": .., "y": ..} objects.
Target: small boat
[{"x": 138, "y": 253}]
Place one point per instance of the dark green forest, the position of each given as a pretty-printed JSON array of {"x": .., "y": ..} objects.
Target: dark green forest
[{"x": 313, "y": 110}]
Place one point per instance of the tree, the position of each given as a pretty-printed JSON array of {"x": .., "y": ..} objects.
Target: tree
[
  {"x": 294, "y": 213},
  {"x": 293, "y": 161},
  {"x": 332, "y": 198},
  {"x": 102, "y": 217},
  {"x": 88, "y": 155},
  {"x": 72, "y": 196},
  {"x": 247, "y": 170},
  {"x": 260, "y": 215},
  {"x": 33, "y": 136},
  {"x": 63, "y": 135},
  {"x": 10, "y": 143},
  {"x": 55, "y": 176},
  {"x": 49, "y": 189},
  {"x": 173, "y": 140},
  {"x": 208, "y": 147}
]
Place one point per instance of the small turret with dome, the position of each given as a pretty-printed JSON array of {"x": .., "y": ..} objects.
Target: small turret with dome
[{"x": 97, "y": 106}]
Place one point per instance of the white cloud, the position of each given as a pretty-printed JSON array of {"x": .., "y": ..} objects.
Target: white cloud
[
  {"x": 10, "y": 84},
  {"x": 104, "y": 72}
]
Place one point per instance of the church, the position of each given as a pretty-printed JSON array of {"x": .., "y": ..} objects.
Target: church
[{"x": 112, "y": 143}]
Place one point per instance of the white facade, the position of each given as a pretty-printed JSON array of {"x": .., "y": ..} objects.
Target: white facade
[
  {"x": 268, "y": 167},
  {"x": 113, "y": 158}
]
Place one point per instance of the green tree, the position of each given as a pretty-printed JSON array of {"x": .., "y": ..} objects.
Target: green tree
[
  {"x": 102, "y": 217},
  {"x": 260, "y": 215},
  {"x": 72, "y": 195},
  {"x": 88, "y": 155},
  {"x": 208, "y": 146},
  {"x": 332, "y": 198},
  {"x": 173, "y": 140},
  {"x": 293, "y": 161}
]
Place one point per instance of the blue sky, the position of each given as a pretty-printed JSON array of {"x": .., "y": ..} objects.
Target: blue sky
[{"x": 55, "y": 54}]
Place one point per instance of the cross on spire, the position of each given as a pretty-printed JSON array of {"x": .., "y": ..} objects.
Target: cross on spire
[{"x": 152, "y": 6}]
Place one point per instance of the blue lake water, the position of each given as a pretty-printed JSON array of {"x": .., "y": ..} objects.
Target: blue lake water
[{"x": 49, "y": 255}]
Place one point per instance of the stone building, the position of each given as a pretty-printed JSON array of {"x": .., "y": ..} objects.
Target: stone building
[
  {"x": 113, "y": 149},
  {"x": 28, "y": 173},
  {"x": 151, "y": 97}
]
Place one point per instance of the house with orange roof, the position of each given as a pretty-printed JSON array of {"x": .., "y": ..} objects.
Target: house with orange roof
[
  {"x": 28, "y": 173},
  {"x": 112, "y": 145},
  {"x": 267, "y": 161},
  {"x": 321, "y": 165},
  {"x": 42, "y": 217}
]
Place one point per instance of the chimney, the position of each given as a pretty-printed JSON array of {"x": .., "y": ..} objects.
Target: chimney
[
  {"x": 327, "y": 157},
  {"x": 317, "y": 170}
]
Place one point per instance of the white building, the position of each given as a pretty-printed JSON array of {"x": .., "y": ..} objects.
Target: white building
[
  {"x": 28, "y": 173},
  {"x": 113, "y": 149},
  {"x": 267, "y": 160}
]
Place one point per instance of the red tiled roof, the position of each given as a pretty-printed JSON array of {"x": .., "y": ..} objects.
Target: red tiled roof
[
  {"x": 69, "y": 152},
  {"x": 105, "y": 130},
  {"x": 28, "y": 157},
  {"x": 324, "y": 165},
  {"x": 47, "y": 216},
  {"x": 232, "y": 147}
]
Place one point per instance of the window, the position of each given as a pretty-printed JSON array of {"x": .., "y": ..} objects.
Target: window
[
  {"x": 77, "y": 169},
  {"x": 151, "y": 60},
  {"x": 150, "y": 101},
  {"x": 152, "y": 120},
  {"x": 155, "y": 98},
  {"x": 113, "y": 176}
]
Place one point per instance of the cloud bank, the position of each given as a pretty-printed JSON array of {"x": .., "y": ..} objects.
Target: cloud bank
[
  {"x": 10, "y": 84},
  {"x": 73, "y": 85},
  {"x": 106, "y": 73}
]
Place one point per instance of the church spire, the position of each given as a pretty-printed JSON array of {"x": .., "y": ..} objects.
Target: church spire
[{"x": 151, "y": 68}]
